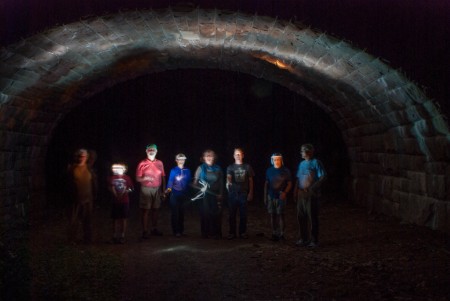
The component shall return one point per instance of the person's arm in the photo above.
(322, 176)
(229, 182)
(283, 194)
(221, 178)
(296, 190)
(140, 177)
(170, 182)
(94, 184)
(250, 189)
(266, 185)
(163, 184)
(196, 177)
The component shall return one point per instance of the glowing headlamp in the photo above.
(119, 169)
(180, 157)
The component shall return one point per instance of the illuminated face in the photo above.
(118, 169)
(238, 156)
(82, 158)
(277, 161)
(151, 152)
(208, 157)
(180, 162)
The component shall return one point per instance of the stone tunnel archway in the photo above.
(397, 139)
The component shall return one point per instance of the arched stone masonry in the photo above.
(397, 139)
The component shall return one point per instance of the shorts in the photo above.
(275, 205)
(120, 210)
(150, 198)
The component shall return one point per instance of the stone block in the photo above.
(360, 169)
(436, 186)
(438, 148)
(441, 218)
(390, 163)
(399, 196)
(437, 168)
(417, 209)
(413, 162)
(374, 143)
(7, 179)
(389, 208)
(418, 184)
(359, 190)
(403, 131)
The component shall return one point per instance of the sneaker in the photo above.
(282, 237)
(145, 235)
(178, 235)
(275, 237)
(301, 243)
(243, 236)
(156, 232)
(231, 236)
(313, 244)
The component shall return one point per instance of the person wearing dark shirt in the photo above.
(209, 179)
(276, 187)
(240, 191)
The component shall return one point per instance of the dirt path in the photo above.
(360, 257)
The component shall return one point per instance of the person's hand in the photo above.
(283, 195)
(250, 196)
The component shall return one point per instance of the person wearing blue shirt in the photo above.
(178, 187)
(310, 176)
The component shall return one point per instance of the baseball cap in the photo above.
(150, 146)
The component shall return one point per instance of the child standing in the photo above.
(120, 185)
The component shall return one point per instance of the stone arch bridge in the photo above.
(397, 139)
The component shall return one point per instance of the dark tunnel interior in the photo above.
(189, 111)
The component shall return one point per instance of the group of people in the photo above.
(207, 187)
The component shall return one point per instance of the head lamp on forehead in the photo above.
(82, 153)
(119, 168)
(180, 157)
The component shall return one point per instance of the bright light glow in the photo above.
(118, 169)
(202, 191)
(274, 61)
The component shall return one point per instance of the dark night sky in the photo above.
(413, 36)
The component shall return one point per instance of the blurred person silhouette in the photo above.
(83, 190)
(310, 176)
(120, 185)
